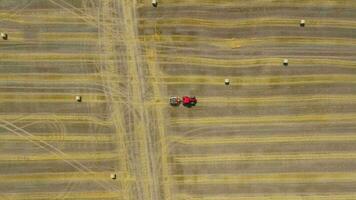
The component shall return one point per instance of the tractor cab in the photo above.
(189, 101)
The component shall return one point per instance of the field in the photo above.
(281, 132)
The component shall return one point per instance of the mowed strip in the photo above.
(247, 63)
(54, 137)
(283, 196)
(232, 43)
(52, 156)
(260, 3)
(224, 158)
(67, 37)
(49, 97)
(270, 100)
(298, 138)
(270, 119)
(43, 21)
(191, 79)
(50, 77)
(63, 118)
(57, 177)
(40, 17)
(67, 196)
(53, 37)
(54, 57)
(263, 80)
(304, 177)
(242, 23)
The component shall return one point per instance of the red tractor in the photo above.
(189, 101)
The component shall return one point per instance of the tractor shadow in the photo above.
(189, 105)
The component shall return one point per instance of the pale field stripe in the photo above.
(197, 79)
(337, 117)
(247, 63)
(280, 99)
(52, 37)
(50, 15)
(325, 196)
(241, 41)
(49, 57)
(59, 137)
(76, 36)
(62, 118)
(43, 21)
(67, 97)
(56, 177)
(49, 97)
(54, 157)
(232, 43)
(243, 23)
(257, 3)
(50, 77)
(225, 140)
(64, 195)
(213, 159)
(262, 80)
(275, 178)
(37, 18)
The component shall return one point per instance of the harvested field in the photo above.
(283, 132)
